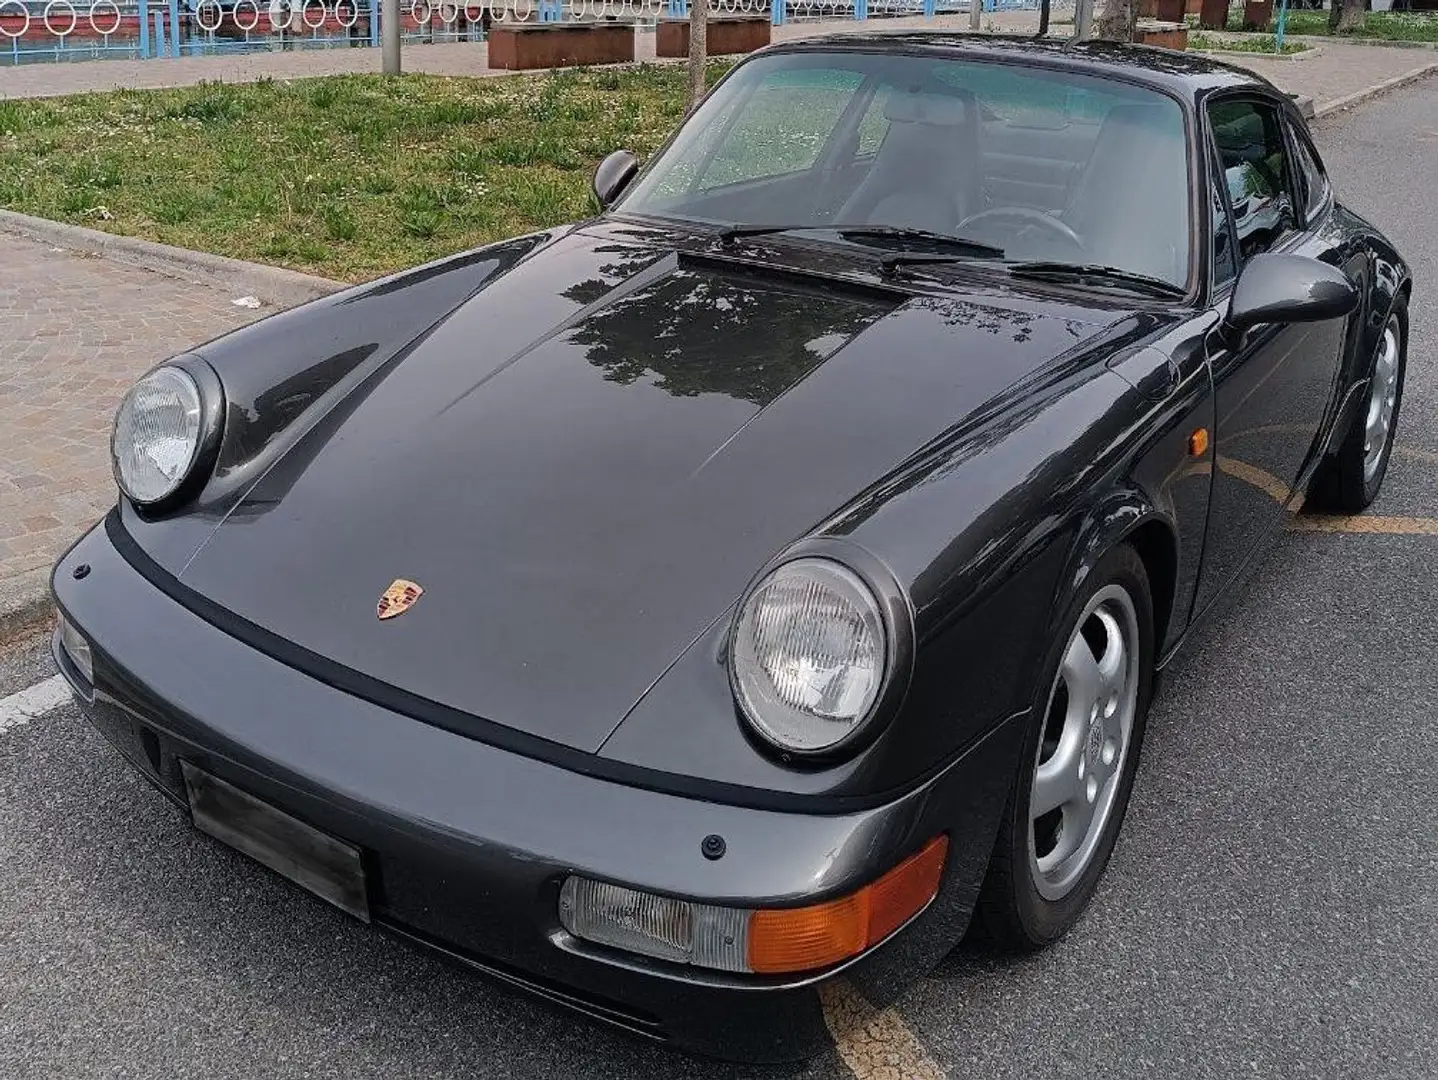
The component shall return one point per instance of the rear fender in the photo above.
(1381, 275)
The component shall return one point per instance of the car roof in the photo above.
(1179, 72)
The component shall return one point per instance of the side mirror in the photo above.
(613, 176)
(1287, 289)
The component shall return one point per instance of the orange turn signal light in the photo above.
(1198, 442)
(803, 939)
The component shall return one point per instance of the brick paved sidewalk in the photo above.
(74, 334)
(1337, 71)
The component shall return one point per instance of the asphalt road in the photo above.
(1269, 910)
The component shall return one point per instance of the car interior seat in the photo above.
(1130, 205)
(925, 173)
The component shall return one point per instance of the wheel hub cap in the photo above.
(1081, 755)
(1095, 740)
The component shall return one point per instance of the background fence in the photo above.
(40, 31)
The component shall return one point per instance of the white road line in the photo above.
(33, 702)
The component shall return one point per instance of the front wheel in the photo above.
(1077, 766)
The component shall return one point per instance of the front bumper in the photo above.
(466, 845)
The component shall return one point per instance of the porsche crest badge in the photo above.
(398, 598)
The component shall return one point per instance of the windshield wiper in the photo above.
(739, 232)
(952, 247)
(1043, 270)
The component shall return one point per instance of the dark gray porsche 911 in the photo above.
(766, 579)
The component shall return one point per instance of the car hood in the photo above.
(588, 460)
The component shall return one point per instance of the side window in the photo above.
(1315, 183)
(784, 127)
(1254, 157)
(1225, 266)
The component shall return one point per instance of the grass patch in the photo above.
(348, 177)
(1255, 44)
(1383, 25)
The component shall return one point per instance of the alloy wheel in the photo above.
(1382, 400)
(1088, 726)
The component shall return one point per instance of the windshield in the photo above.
(1043, 164)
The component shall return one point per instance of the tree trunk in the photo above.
(699, 48)
(1043, 17)
(1118, 20)
(1345, 16)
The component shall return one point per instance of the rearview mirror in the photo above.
(1287, 289)
(613, 176)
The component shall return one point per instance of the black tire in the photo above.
(1012, 915)
(1341, 486)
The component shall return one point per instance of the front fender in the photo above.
(281, 375)
(282, 372)
(1032, 510)
(981, 532)
(1127, 514)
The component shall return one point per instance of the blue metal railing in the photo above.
(61, 30)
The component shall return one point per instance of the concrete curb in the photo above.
(280, 288)
(1316, 40)
(24, 602)
(1349, 100)
(1241, 54)
(1373, 43)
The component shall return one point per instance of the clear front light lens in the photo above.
(157, 435)
(77, 649)
(657, 926)
(809, 655)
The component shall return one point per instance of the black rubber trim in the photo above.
(597, 1008)
(376, 692)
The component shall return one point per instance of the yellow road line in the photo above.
(1372, 524)
(1365, 523)
(1269, 429)
(875, 1044)
(1413, 452)
(1265, 481)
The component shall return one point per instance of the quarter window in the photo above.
(1315, 184)
(1254, 157)
(1224, 265)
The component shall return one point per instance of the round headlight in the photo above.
(157, 435)
(809, 655)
